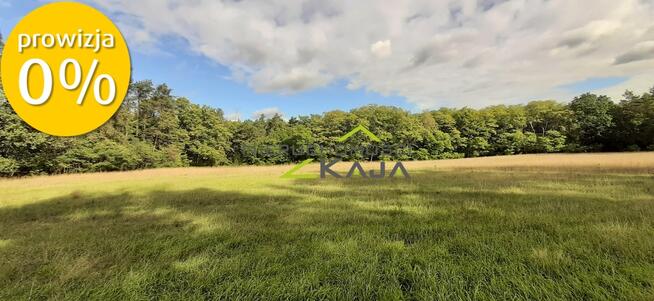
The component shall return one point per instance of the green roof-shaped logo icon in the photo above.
(291, 173)
(357, 129)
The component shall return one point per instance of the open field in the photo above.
(523, 227)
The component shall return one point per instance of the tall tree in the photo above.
(545, 115)
(634, 119)
(206, 139)
(154, 128)
(475, 130)
(594, 119)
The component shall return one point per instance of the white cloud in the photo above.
(267, 113)
(641, 51)
(233, 116)
(435, 53)
(286, 81)
(381, 49)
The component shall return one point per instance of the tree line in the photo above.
(153, 128)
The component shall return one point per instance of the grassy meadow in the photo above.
(554, 227)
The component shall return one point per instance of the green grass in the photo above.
(443, 235)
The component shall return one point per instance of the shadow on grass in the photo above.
(108, 245)
(438, 235)
(471, 185)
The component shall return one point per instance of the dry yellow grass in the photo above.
(639, 162)
(31, 189)
(618, 162)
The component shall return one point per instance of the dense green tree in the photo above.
(154, 128)
(634, 118)
(516, 142)
(326, 129)
(435, 144)
(475, 131)
(394, 126)
(96, 153)
(248, 142)
(447, 124)
(27, 150)
(159, 120)
(206, 136)
(546, 115)
(299, 142)
(594, 120)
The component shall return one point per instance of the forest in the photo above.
(154, 128)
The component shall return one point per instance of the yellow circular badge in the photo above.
(65, 69)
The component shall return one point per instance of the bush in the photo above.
(8, 167)
(633, 148)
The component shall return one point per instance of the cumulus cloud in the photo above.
(267, 113)
(233, 116)
(381, 49)
(434, 53)
(642, 51)
(288, 81)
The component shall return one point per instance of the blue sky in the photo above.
(306, 57)
(593, 84)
